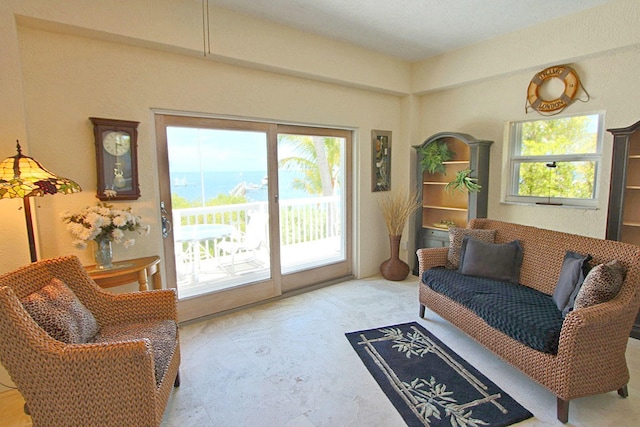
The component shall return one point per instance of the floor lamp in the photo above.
(24, 177)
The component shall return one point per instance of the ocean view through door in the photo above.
(220, 212)
(252, 209)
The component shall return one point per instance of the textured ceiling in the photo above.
(409, 29)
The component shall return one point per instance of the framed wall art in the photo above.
(116, 158)
(381, 160)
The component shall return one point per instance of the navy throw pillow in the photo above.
(575, 267)
(498, 261)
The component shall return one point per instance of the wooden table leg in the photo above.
(142, 279)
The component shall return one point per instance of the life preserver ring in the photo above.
(571, 84)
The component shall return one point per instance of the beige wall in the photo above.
(71, 61)
(67, 60)
(482, 103)
(128, 82)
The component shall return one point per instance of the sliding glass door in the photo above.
(219, 206)
(256, 209)
(313, 208)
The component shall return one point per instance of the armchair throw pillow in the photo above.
(58, 311)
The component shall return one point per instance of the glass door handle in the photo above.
(166, 224)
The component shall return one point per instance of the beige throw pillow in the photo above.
(601, 284)
(61, 314)
(455, 242)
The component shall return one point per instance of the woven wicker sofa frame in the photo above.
(591, 351)
(105, 384)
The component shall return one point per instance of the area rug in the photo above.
(428, 383)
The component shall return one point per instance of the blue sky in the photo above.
(216, 150)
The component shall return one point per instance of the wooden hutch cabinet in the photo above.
(623, 222)
(440, 205)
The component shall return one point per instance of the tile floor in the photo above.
(287, 363)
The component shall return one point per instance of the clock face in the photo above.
(116, 143)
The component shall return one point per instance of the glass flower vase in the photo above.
(103, 254)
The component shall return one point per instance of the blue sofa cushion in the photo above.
(525, 314)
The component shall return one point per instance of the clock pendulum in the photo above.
(118, 179)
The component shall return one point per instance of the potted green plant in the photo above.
(463, 181)
(433, 156)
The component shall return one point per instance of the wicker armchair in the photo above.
(112, 383)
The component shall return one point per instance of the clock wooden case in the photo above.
(116, 158)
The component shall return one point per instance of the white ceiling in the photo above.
(409, 29)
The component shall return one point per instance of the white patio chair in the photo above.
(254, 237)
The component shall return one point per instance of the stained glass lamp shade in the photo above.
(24, 177)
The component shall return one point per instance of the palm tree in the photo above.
(318, 157)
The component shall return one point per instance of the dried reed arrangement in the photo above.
(397, 208)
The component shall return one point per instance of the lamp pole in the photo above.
(32, 240)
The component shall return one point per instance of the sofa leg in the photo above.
(422, 311)
(176, 383)
(563, 410)
(623, 391)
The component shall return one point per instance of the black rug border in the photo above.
(407, 415)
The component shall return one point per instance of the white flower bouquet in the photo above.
(103, 222)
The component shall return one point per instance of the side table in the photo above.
(132, 270)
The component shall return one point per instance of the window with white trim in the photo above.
(556, 161)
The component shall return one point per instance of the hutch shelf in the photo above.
(441, 206)
(623, 222)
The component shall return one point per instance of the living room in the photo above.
(64, 62)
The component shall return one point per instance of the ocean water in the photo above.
(193, 186)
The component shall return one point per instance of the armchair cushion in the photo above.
(161, 334)
(57, 310)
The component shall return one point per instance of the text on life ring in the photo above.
(571, 82)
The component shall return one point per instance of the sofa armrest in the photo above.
(431, 257)
(594, 339)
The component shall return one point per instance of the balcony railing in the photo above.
(301, 220)
(304, 222)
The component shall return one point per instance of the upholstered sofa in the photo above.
(589, 357)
